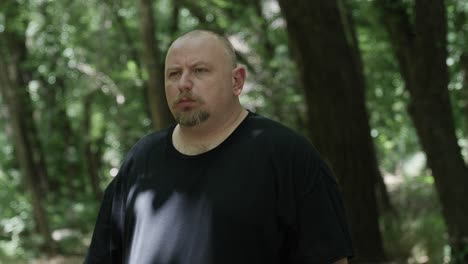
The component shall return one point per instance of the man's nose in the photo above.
(185, 82)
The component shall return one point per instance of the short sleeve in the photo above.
(311, 209)
(107, 241)
(102, 243)
(322, 230)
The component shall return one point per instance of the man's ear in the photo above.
(238, 79)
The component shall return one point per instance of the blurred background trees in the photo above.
(376, 85)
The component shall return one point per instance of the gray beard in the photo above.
(192, 118)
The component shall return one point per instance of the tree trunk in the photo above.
(125, 32)
(58, 136)
(92, 149)
(174, 22)
(273, 92)
(333, 81)
(18, 103)
(160, 113)
(421, 51)
(383, 198)
(14, 46)
(464, 69)
(460, 22)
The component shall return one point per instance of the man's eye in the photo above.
(173, 74)
(200, 70)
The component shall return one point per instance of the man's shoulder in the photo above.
(283, 145)
(150, 141)
(276, 139)
(274, 131)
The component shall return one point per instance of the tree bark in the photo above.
(383, 198)
(14, 47)
(92, 148)
(174, 22)
(127, 37)
(153, 60)
(273, 92)
(421, 50)
(29, 154)
(464, 69)
(60, 138)
(334, 85)
(460, 28)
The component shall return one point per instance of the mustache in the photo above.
(187, 96)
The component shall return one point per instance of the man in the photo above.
(222, 186)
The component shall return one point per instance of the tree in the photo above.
(421, 51)
(14, 78)
(152, 57)
(325, 48)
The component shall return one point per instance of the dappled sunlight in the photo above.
(415, 165)
(412, 167)
(113, 172)
(76, 94)
(61, 234)
(418, 234)
(181, 224)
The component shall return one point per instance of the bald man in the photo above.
(223, 185)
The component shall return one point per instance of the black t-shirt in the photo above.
(262, 196)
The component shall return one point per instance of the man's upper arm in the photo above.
(104, 248)
(318, 229)
(342, 261)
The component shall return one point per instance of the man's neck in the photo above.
(206, 136)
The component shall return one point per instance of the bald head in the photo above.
(205, 34)
(202, 80)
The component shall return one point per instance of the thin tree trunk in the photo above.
(160, 114)
(198, 11)
(421, 51)
(92, 151)
(15, 56)
(18, 104)
(25, 150)
(174, 22)
(382, 195)
(58, 125)
(267, 52)
(60, 136)
(273, 92)
(460, 22)
(332, 77)
(127, 37)
(464, 69)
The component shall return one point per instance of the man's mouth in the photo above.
(185, 99)
(185, 102)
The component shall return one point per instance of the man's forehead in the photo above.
(173, 65)
(206, 44)
(191, 55)
(196, 47)
(193, 42)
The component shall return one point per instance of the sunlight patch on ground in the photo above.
(64, 233)
(58, 260)
(411, 167)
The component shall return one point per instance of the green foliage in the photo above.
(87, 87)
(417, 232)
(394, 136)
(458, 49)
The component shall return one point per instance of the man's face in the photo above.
(198, 79)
